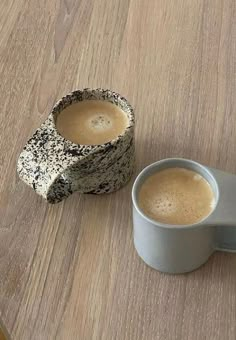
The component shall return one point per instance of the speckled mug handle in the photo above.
(44, 161)
(55, 167)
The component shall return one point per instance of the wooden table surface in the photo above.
(70, 271)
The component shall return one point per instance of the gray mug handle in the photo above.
(224, 216)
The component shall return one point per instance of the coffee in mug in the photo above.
(176, 196)
(92, 122)
(86, 144)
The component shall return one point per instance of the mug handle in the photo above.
(44, 161)
(224, 216)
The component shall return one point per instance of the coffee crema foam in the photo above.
(91, 122)
(176, 196)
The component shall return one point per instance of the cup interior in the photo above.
(93, 94)
(174, 163)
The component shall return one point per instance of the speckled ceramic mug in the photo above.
(55, 167)
(183, 248)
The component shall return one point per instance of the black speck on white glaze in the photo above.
(55, 167)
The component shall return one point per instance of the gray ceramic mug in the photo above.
(180, 249)
(55, 167)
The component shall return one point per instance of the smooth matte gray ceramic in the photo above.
(55, 167)
(180, 249)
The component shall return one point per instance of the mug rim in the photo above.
(130, 112)
(157, 164)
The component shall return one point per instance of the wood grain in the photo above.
(70, 271)
(2, 336)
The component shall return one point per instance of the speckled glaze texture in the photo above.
(55, 167)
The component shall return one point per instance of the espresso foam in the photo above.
(91, 122)
(100, 122)
(176, 196)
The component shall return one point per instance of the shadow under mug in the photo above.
(56, 167)
(183, 248)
